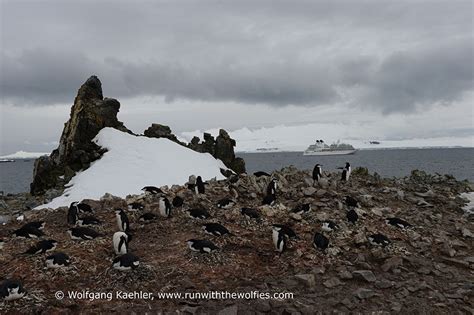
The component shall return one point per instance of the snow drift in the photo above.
(133, 162)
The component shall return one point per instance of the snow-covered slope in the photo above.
(133, 162)
(299, 137)
(23, 155)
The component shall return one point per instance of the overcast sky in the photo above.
(233, 64)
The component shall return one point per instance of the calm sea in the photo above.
(16, 177)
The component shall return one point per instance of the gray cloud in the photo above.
(276, 53)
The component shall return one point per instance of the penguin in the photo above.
(164, 206)
(302, 208)
(225, 203)
(269, 200)
(35, 224)
(272, 187)
(346, 172)
(147, 217)
(250, 213)
(352, 216)
(202, 246)
(126, 262)
(152, 190)
(135, 206)
(177, 202)
(198, 213)
(82, 207)
(28, 232)
(378, 240)
(42, 247)
(83, 233)
(57, 260)
(215, 229)
(88, 220)
(351, 202)
(199, 188)
(72, 214)
(11, 290)
(398, 223)
(329, 226)
(285, 229)
(317, 172)
(122, 220)
(261, 173)
(120, 242)
(320, 241)
(279, 239)
(2, 243)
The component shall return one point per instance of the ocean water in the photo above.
(458, 162)
(16, 177)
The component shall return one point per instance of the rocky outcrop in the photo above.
(90, 113)
(161, 131)
(221, 148)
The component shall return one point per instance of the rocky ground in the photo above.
(427, 269)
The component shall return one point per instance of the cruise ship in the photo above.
(321, 148)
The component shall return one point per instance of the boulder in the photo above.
(90, 113)
(161, 131)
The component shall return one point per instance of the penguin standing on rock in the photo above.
(279, 239)
(352, 216)
(178, 201)
(272, 187)
(317, 172)
(320, 241)
(346, 172)
(122, 220)
(57, 260)
(72, 214)
(202, 246)
(199, 187)
(126, 262)
(11, 290)
(164, 206)
(120, 242)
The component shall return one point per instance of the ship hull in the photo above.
(341, 152)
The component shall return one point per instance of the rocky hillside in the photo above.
(90, 113)
(428, 268)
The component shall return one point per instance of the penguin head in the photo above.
(118, 211)
(348, 165)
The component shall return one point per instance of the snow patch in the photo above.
(24, 155)
(133, 162)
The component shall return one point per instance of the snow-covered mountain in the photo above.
(299, 137)
(133, 162)
(24, 155)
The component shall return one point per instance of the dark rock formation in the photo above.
(161, 131)
(90, 113)
(221, 148)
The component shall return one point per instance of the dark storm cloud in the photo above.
(276, 53)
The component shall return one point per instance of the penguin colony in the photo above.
(81, 224)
